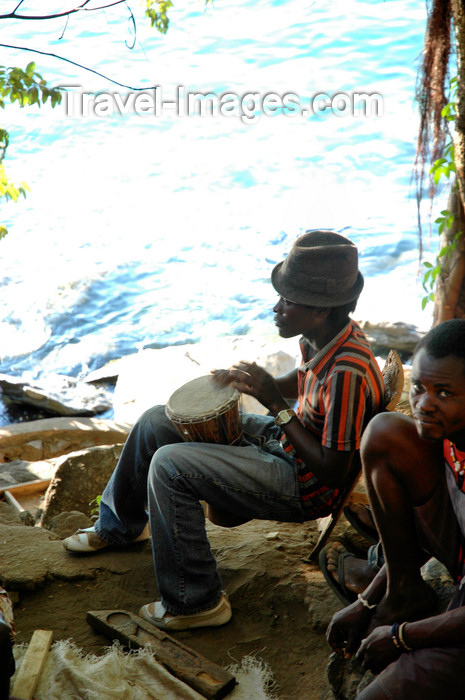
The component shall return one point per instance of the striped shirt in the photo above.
(340, 390)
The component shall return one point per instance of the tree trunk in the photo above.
(449, 297)
(450, 290)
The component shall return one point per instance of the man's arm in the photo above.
(446, 629)
(349, 625)
(379, 649)
(287, 384)
(329, 466)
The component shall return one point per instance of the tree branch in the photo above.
(80, 8)
(79, 65)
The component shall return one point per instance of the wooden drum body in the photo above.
(203, 411)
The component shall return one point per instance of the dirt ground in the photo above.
(281, 605)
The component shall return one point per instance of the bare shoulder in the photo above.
(398, 431)
(392, 420)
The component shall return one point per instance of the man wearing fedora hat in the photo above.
(289, 465)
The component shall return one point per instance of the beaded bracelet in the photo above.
(397, 635)
(401, 637)
(394, 635)
(365, 603)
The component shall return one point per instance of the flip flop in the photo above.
(369, 533)
(337, 587)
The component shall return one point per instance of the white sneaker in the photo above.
(86, 541)
(216, 616)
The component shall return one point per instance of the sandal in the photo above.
(370, 533)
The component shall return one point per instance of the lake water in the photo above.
(151, 229)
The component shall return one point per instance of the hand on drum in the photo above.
(250, 379)
(221, 377)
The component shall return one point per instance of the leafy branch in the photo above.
(26, 87)
(158, 16)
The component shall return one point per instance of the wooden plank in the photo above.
(27, 487)
(32, 664)
(204, 676)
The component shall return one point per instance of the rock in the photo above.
(57, 394)
(346, 678)
(8, 515)
(20, 471)
(151, 376)
(32, 557)
(27, 518)
(66, 524)
(107, 374)
(51, 437)
(79, 478)
(402, 337)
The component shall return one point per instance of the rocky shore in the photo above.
(281, 603)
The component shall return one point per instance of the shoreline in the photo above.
(141, 379)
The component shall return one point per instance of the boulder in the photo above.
(151, 376)
(66, 523)
(383, 337)
(57, 394)
(20, 471)
(79, 479)
(51, 437)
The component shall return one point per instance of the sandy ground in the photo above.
(281, 604)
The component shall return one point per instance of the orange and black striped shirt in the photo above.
(340, 390)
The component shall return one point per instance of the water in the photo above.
(147, 231)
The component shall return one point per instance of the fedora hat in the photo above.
(320, 270)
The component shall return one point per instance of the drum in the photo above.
(203, 411)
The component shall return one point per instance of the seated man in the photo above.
(415, 475)
(289, 466)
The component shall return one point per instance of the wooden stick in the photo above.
(26, 487)
(201, 674)
(9, 498)
(32, 664)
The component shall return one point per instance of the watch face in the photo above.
(284, 416)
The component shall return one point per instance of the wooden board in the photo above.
(26, 487)
(32, 664)
(204, 676)
(26, 495)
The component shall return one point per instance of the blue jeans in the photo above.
(375, 556)
(159, 471)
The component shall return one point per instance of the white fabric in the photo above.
(69, 674)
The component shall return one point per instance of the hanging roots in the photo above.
(432, 86)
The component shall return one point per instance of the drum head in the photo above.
(201, 398)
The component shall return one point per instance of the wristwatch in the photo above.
(284, 416)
